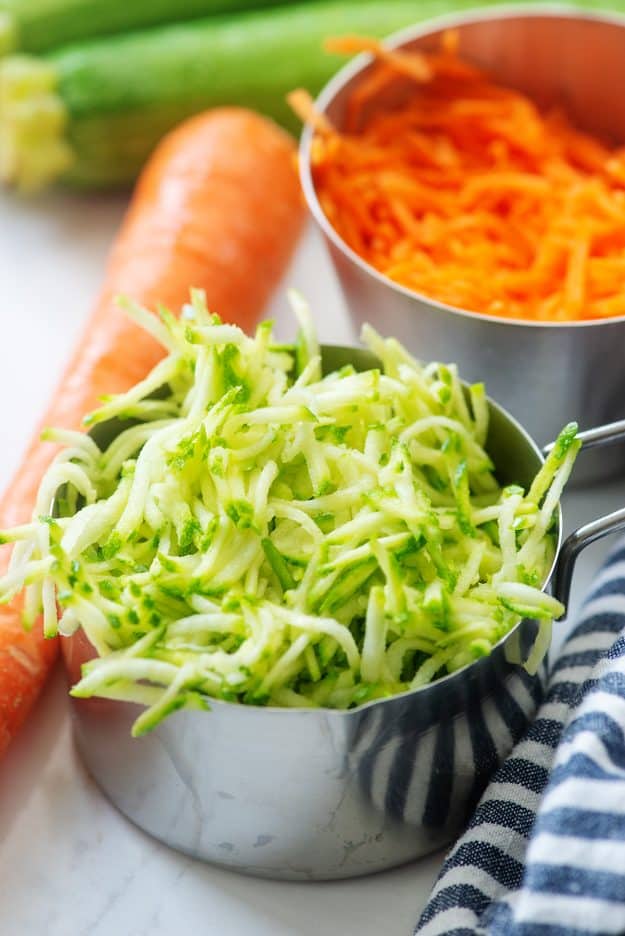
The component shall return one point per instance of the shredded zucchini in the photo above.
(262, 534)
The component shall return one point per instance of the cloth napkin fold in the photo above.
(544, 854)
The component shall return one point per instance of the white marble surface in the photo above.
(70, 865)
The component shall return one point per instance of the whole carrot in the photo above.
(218, 207)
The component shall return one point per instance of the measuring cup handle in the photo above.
(596, 529)
(575, 543)
(601, 435)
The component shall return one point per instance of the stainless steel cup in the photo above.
(314, 794)
(546, 374)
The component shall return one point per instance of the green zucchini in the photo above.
(41, 25)
(92, 112)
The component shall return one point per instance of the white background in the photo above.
(70, 865)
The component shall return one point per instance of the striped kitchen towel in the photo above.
(544, 854)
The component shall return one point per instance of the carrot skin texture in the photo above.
(217, 207)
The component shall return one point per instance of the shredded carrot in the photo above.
(302, 104)
(462, 190)
(413, 65)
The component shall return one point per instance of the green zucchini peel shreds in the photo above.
(259, 533)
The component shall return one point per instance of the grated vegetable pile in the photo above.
(262, 534)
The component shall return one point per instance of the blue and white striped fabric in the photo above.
(544, 854)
